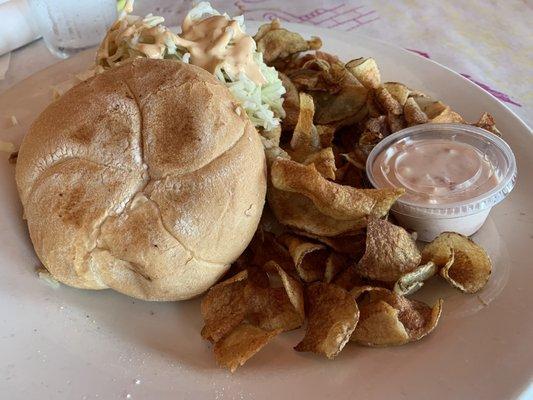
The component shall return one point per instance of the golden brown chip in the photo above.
(309, 258)
(264, 248)
(305, 140)
(448, 116)
(413, 114)
(349, 278)
(224, 307)
(335, 263)
(463, 263)
(414, 280)
(278, 43)
(388, 319)
(336, 201)
(396, 122)
(294, 291)
(387, 102)
(399, 91)
(356, 158)
(332, 317)
(324, 162)
(325, 134)
(345, 107)
(486, 121)
(366, 71)
(271, 308)
(352, 245)
(241, 344)
(297, 211)
(390, 252)
(438, 112)
(291, 103)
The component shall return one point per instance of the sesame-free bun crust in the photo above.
(143, 179)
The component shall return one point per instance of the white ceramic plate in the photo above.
(71, 344)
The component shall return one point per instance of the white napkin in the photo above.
(17, 27)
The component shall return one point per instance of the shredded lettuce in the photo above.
(128, 35)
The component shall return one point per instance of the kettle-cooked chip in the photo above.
(387, 102)
(387, 319)
(224, 307)
(324, 162)
(309, 258)
(398, 90)
(297, 211)
(366, 71)
(278, 43)
(264, 248)
(349, 278)
(305, 140)
(352, 245)
(346, 107)
(390, 252)
(241, 344)
(413, 114)
(414, 280)
(335, 263)
(337, 201)
(396, 122)
(486, 121)
(325, 134)
(332, 317)
(463, 263)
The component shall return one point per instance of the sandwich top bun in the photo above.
(147, 179)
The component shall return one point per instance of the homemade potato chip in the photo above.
(305, 140)
(390, 252)
(366, 71)
(396, 122)
(352, 245)
(463, 263)
(309, 258)
(271, 308)
(264, 248)
(387, 102)
(224, 307)
(332, 317)
(335, 263)
(486, 121)
(294, 291)
(413, 114)
(349, 278)
(324, 162)
(387, 319)
(298, 212)
(325, 134)
(399, 91)
(241, 344)
(348, 106)
(334, 200)
(278, 43)
(291, 103)
(414, 280)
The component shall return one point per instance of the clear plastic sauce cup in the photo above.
(453, 175)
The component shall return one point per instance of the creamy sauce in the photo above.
(434, 171)
(212, 42)
(218, 41)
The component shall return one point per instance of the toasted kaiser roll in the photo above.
(146, 179)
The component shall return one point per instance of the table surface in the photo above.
(489, 42)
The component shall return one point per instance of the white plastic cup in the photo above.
(466, 216)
